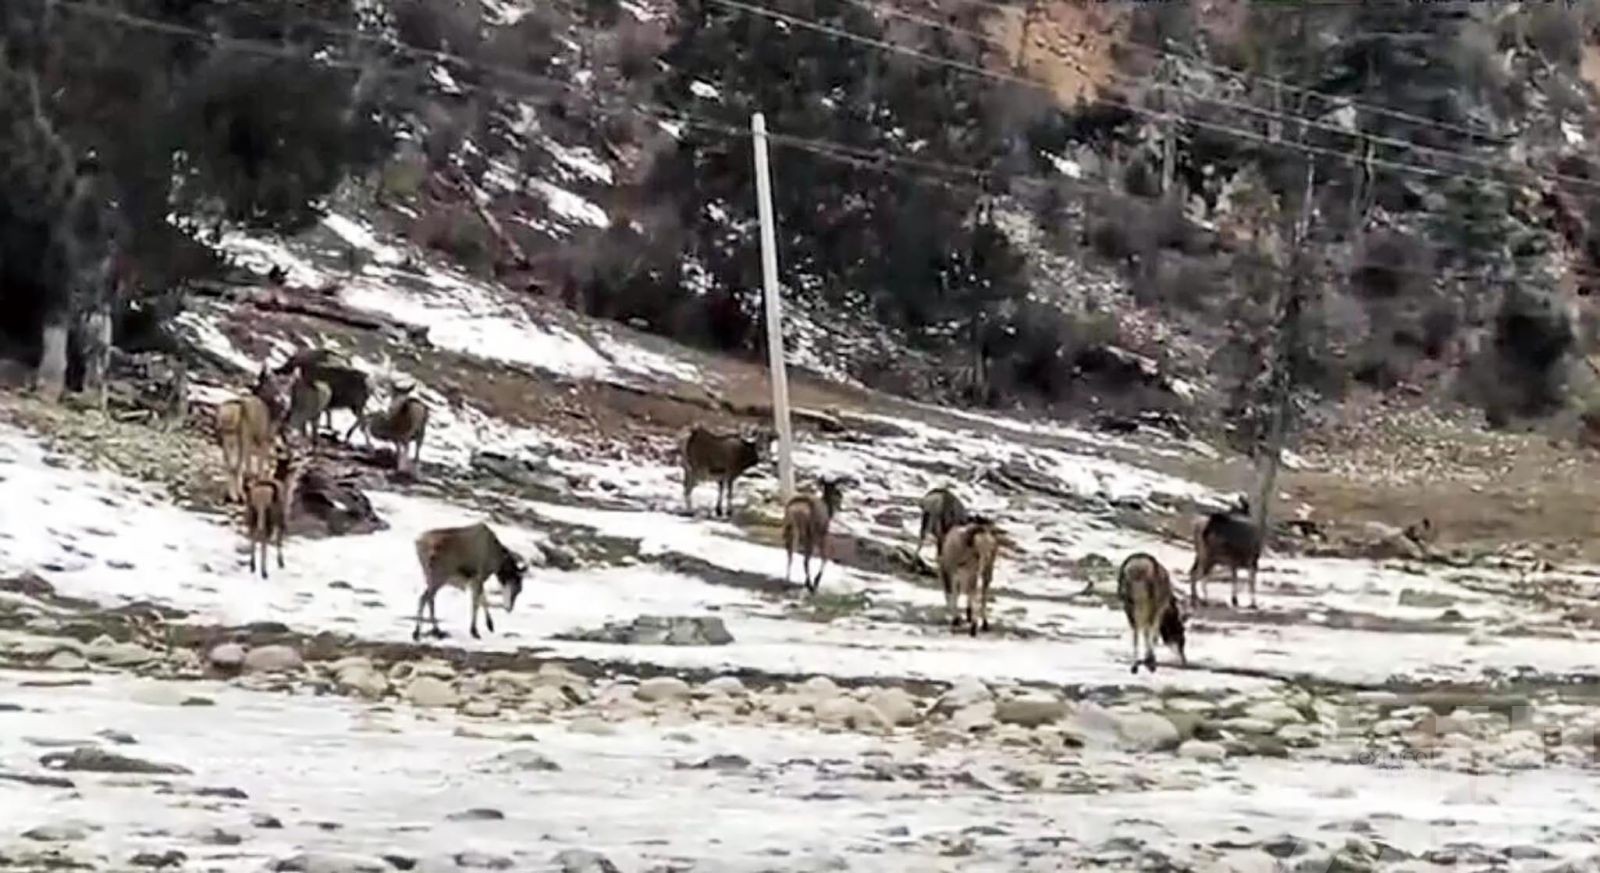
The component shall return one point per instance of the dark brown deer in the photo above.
(404, 424)
(941, 511)
(463, 557)
(1151, 605)
(805, 529)
(1228, 539)
(723, 457)
(348, 387)
(308, 401)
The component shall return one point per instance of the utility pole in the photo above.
(769, 278)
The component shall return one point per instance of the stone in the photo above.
(159, 861)
(92, 760)
(963, 694)
(119, 654)
(662, 689)
(524, 760)
(584, 861)
(657, 630)
(362, 679)
(1030, 711)
(66, 832)
(727, 686)
(431, 691)
(1247, 725)
(1274, 712)
(853, 714)
(227, 656)
(817, 687)
(591, 726)
(1146, 732)
(1286, 846)
(272, 659)
(482, 861)
(1200, 750)
(896, 706)
(65, 660)
(1299, 736)
(1090, 723)
(482, 707)
(977, 717)
(1426, 599)
(477, 814)
(321, 862)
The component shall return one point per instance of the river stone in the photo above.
(1200, 750)
(323, 862)
(431, 691)
(1030, 711)
(662, 689)
(272, 659)
(897, 706)
(1274, 712)
(962, 695)
(1146, 731)
(584, 861)
(227, 656)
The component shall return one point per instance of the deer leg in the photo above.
(805, 567)
(433, 614)
(477, 601)
(950, 597)
(1135, 631)
(1253, 587)
(283, 522)
(1150, 647)
(972, 620)
(488, 617)
(788, 565)
(422, 602)
(822, 552)
(1233, 585)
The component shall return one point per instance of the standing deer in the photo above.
(348, 387)
(308, 401)
(464, 557)
(724, 457)
(1151, 605)
(1225, 539)
(966, 566)
(404, 424)
(941, 511)
(268, 502)
(245, 429)
(805, 528)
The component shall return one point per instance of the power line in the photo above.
(978, 71)
(859, 157)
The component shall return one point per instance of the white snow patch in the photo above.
(362, 238)
(581, 161)
(569, 205)
(704, 90)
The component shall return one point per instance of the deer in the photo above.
(941, 511)
(246, 426)
(348, 387)
(724, 457)
(805, 529)
(464, 557)
(1151, 605)
(268, 501)
(1227, 539)
(404, 424)
(308, 401)
(966, 566)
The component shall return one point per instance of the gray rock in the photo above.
(92, 760)
(658, 630)
(728, 686)
(1286, 846)
(119, 654)
(977, 717)
(66, 832)
(662, 689)
(159, 861)
(272, 659)
(1030, 711)
(320, 862)
(963, 694)
(477, 814)
(1274, 712)
(584, 861)
(65, 660)
(228, 656)
(429, 691)
(1146, 732)
(525, 760)
(897, 706)
(482, 707)
(1200, 750)
(1426, 599)
(482, 861)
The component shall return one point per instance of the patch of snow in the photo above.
(704, 90)
(262, 255)
(638, 11)
(1064, 165)
(444, 80)
(361, 238)
(581, 161)
(569, 205)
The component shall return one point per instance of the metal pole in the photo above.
(769, 277)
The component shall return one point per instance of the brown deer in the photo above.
(805, 529)
(464, 557)
(941, 511)
(246, 426)
(724, 457)
(1228, 539)
(966, 566)
(404, 424)
(268, 501)
(308, 401)
(1151, 605)
(348, 387)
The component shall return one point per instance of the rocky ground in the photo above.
(662, 698)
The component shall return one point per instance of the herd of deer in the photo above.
(256, 430)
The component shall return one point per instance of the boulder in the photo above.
(432, 692)
(227, 656)
(662, 689)
(1146, 732)
(896, 706)
(1200, 750)
(272, 659)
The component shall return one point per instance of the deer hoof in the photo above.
(475, 634)
(1135, 670)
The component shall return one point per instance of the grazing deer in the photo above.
(941, 511)
(464, 557)
(245, 429)
(1227, 539)
(308, 401)
(1149, 601)
(724, 457)
(404, 424)
(805, 528)
(348, 387)
(267, 504)
(1421, 532)
(966, 566)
